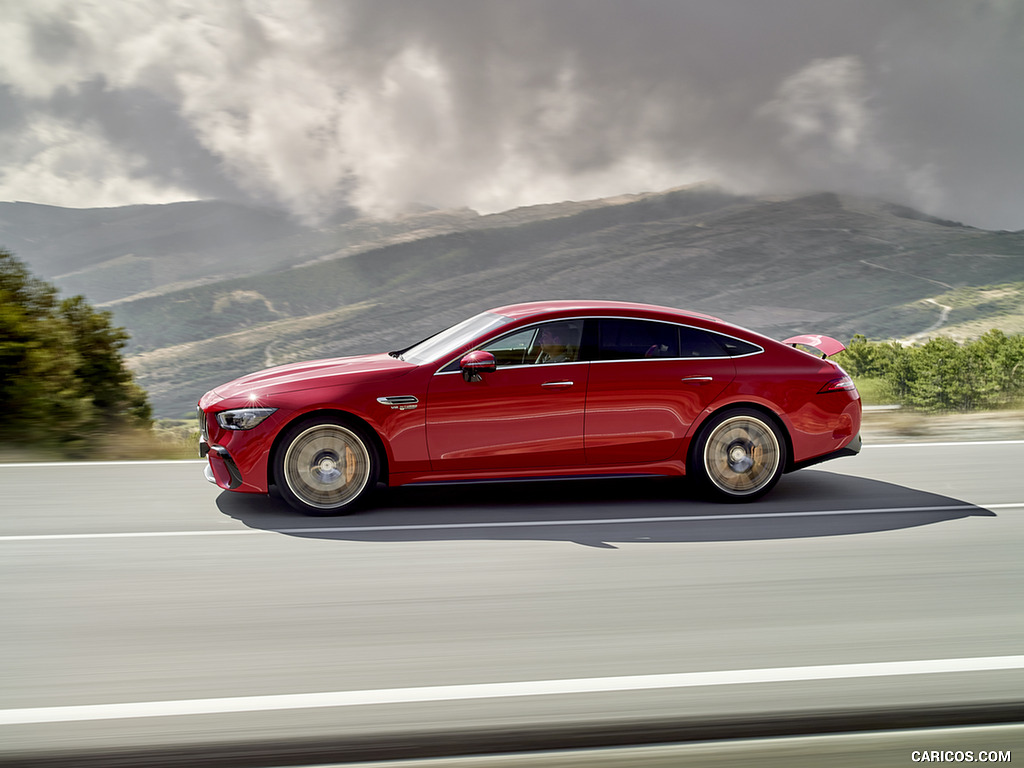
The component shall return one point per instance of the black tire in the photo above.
(326, 466)
(739, 455)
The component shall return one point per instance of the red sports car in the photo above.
(538, 390)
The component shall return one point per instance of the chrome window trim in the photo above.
(760, 350)
(534, 366)
(674, 359)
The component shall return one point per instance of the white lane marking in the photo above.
(872, 446)
(503, 690)
(132, 535)
(513, 523)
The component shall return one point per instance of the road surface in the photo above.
(143, 606)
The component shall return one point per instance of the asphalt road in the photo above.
(141, 606)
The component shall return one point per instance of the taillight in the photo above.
(842, 384)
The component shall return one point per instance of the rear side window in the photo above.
(630, 339)
(693, 342)
(737, 348)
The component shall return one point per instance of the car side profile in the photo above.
(537, 390)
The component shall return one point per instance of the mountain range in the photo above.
(212, 290)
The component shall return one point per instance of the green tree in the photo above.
(61, 372)
(37, 358)
(946, 377)
(101, 373)
(859, 359)
(1006, 356)
(865, 359)
(941, 374)
(896, 367)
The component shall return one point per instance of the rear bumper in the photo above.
(852, 449)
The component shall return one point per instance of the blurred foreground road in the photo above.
(143, 607)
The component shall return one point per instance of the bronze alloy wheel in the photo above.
(326, 468)
(741, 455)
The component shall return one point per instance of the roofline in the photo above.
(528, 309)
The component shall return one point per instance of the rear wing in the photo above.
(823, 346)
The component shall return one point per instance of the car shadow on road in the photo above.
(606, 512)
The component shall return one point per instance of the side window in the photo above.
(737, 348)
(625, 339)
(512, 349)
(629, 339)
(693, 342)
(555, 342)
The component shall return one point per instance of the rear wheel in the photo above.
(739, 455)
(326, 467)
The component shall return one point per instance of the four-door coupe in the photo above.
(547, 389)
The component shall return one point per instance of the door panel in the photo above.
(639, 410)
(649, 382)
(514, 418)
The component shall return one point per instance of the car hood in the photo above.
(314, 374)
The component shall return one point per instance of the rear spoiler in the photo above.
(826, 346)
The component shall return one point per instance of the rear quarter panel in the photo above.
(786, 382)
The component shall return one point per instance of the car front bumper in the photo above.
(221, 469)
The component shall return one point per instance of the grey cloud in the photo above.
(491, 104)
(55, 39)
(12, 116)
(148, 126)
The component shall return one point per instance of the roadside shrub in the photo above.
(942, 374)
(63, 380)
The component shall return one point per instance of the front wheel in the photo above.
(325, 467)
(739, 455)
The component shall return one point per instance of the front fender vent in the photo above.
(400, 402)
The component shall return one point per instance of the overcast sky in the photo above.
(492, 104)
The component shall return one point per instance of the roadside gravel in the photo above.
(902, 426)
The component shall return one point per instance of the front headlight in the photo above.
(243, 418)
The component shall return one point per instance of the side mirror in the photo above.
(476, 363)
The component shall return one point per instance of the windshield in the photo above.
(447, 341)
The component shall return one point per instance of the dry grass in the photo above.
(165, 441)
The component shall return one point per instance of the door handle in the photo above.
(698, 379)
(557, 384)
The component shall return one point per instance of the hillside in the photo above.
(110, 254)
(817, 263)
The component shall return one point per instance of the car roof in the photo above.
(529, 309)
